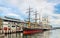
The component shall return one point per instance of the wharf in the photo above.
(13, 32)
(10, 32)
(2, 35)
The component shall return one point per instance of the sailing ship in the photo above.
(32, 28)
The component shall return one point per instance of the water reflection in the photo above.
(16, 35)
(38, 35)
(46, 34)
(55, 33)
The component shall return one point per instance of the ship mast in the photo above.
(39, 18)
(35, 18)
(29, 16)
(47, 20)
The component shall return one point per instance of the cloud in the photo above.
(54, 1)
(44, 7)
(6, 12)
(57, 8)
(10, 8)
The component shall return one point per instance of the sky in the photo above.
(18, 9)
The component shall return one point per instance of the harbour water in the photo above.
(46, 34)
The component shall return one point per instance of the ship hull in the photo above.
(32, 31)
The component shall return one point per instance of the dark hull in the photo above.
(31, 31)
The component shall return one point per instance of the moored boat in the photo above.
(31, 27)
(32, 31)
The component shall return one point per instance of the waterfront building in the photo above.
(11, 24)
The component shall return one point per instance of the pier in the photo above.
(2, 35)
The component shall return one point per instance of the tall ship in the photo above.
(32, 27)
